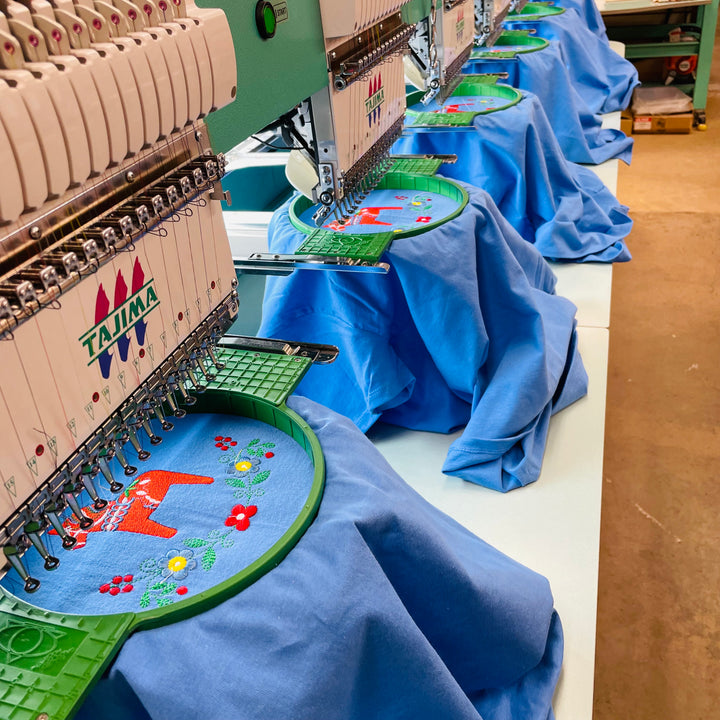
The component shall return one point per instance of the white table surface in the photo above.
(552, 526)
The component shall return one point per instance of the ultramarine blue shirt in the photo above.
(385, 609)
(578, 131)
(464, 331)
(602, 78)
(561, 207)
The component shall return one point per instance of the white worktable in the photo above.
(552, 526)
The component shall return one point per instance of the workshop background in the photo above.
(658, 631)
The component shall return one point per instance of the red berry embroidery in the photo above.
(117, 585)
(269, 454)
(182, 590)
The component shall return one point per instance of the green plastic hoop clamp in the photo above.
(49, 662)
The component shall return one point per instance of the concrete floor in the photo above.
(658, 642)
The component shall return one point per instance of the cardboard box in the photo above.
(677, 123)
(626, 122)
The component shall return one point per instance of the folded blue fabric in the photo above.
(602, 78)
(578, 131)
(588, 11)
(465, 324)
(386, 608)
(561, 207)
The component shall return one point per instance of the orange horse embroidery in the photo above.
(132, 510)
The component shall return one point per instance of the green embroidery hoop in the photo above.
(469, 85)
(535, 11)
(79, 648)
(370, 246)
(530, 43)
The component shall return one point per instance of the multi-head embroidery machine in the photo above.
(116, 279)
(489, 15)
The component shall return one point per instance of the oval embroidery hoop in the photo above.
(36, 646)
(402, 182)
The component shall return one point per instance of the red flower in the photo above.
(240, 516)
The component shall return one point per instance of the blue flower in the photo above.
(177, 564)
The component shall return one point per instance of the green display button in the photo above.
(266, 19)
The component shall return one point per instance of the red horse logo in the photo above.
(131, 511)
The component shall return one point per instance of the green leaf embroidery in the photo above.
(260, 477)
(235, 482)
(208, 559)
(253, 442)
(163, 601)
(158, 585)
(145, 600)
(195, 543)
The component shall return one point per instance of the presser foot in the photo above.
(51, 562)
(69, 542)
(31, 584)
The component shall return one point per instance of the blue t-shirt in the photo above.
(578, 131)
(386, 608)
(464, 331)
(560, 207)
(602, 78)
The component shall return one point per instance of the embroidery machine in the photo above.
(116, 279)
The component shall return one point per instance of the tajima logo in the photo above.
(112, 327)
(376, 97)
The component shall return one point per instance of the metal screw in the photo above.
(198, 135)
(35, 232)
(43, 716)
(130, 176)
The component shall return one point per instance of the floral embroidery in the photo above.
(240, 517)
(178, 563)
(224, 443)
(161, 577)
(247, 465)
(244, 468)
(120, 583)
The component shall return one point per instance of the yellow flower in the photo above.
(243, 466)
(177, 563)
